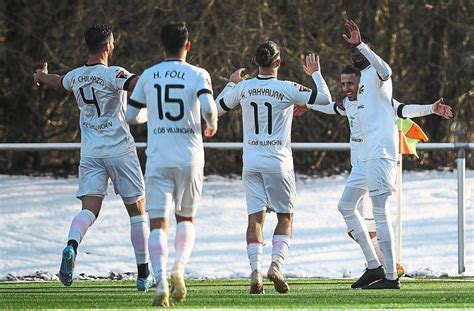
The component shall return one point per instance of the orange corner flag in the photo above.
(410, 134)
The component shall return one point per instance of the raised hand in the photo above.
(441, 109)
(299, 109)
(354, 33)
(237, 76)
(38, 72)
(311, 64)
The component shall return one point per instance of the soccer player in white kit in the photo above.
(107, 148)
(356, 181)
(268, 176)
(174, 94)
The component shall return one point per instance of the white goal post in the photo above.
(460, 148)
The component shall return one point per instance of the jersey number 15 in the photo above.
(169, 100)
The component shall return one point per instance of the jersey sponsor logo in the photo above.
(97, 127)
(121, 75)
(360, 107)
(361, 89)
(357, 140)
(302, 88)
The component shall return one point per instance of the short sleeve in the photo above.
(66, 81)
(119, 78)
(204, 84)
(138, 96)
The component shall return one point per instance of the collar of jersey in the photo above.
(173, 60)
(265, 77)
(90, 65)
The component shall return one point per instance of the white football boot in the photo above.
(162, 296)
(276, 276)
(178, 287)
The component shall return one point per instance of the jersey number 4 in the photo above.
(169, 100)
(255, 115)
(92, 101)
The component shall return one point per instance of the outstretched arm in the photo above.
(383, 69)
(41, 76)
(413, 111)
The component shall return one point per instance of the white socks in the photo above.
(378, 251)
(356, 227)
(255, 252)
(139, 234)
(158, 248)
(80, 224)
(183, 243)
(281, 244)
(385, 235)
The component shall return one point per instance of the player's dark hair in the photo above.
(96, 36)
(173, 37)
(350, 69)
(267, 53)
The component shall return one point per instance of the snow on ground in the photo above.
(36, 213)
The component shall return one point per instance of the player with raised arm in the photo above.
(107, 148)
(268, 176)
(356, 181)
(174, 94)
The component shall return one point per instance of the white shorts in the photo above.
(275, 191)
(124, 171)
(357, 178)
(173, 187)
(381, 176)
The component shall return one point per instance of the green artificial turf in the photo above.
(304, 293)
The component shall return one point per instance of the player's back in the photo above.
(267, 116)
(101, 97)
(172, 90)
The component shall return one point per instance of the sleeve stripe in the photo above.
(127, 83)
(312, 98)
(335, 110)
(400, 111)
(204, 91)
(62, 78)
(223, 105)
(136, 104)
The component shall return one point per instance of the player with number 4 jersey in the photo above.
(267, 114)
(107, 148)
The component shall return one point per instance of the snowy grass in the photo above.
(36, 213)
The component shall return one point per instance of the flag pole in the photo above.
(398, 244)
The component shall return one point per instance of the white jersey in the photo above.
(376, 115)
(170, 91)
(100, 92)
(351, 112)
(267, 115)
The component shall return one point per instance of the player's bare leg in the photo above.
(80, 224)
(255, 251)
(281, 242)
(158, 248)
(139, 235)
(184, 243)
